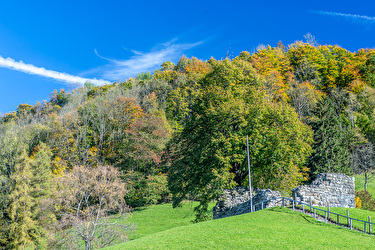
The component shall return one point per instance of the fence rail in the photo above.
(347, 220)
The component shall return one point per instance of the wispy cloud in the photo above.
(352, 17)
(33, 70)
(121, 69)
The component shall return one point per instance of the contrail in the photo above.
(33, 70)
(354, 17)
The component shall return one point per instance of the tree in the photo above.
(363, 160)
(85, 197)
(12, 154)
(42, 187)
(274, 65)
(365, 119)
(210, 155)
(330, 148)
(310, 39)
(368, 70)
(307, 61)
(307, 71)
(23, 228)
(303, 97)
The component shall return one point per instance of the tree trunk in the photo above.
(366, 177)
(87, 245)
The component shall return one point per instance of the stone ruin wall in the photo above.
(337, 190)
(237, 201)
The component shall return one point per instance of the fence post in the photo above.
(329, 212)
(293, 205)
(369, 224)
(347, 215)
(303, 208)
(364, 227)
(262, 205)
(325, 213)
(283, 203)
(338, 219)
(314, 214)
(351, 228)
(310, 204)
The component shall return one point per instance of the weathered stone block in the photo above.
(337, 190)
(237, 201)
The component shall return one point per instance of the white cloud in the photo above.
(352, 17)
(118, 70)
(33, 70)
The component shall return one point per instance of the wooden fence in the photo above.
(327, 214)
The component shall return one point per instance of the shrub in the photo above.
(358, 202)
(367, 202)
(145, 191)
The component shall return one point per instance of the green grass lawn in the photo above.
(157, 218)
(353, 213)
(275, 228)
(360, 184)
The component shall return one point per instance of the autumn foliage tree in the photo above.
(209, 154)
(85, 197)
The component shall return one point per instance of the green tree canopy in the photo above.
(210, 155)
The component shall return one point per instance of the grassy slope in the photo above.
(360, 184)
(353, 213)
(161, 217)
(272, 228)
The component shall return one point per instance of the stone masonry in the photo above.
(336, 189)
(237, 201)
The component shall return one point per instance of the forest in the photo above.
(72, 165)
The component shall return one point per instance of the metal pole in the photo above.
(248, 164)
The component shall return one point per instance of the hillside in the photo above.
(180, 133)
(161, 217)
(276, 228)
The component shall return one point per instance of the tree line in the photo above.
(180, 133)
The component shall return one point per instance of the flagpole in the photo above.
(248, 164)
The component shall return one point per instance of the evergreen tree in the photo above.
(42, 174)
(12, 152)
(330, 148)
(22, 228)
(41, 189)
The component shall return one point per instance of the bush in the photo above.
(358, 202)
(367, 202)
(145, 191)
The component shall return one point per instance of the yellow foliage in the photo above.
(356, 86)
(93, 151)
(92, 155)
(58, 166)
(269, 60)
(358, 202)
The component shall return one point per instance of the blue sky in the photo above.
(47, 45)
